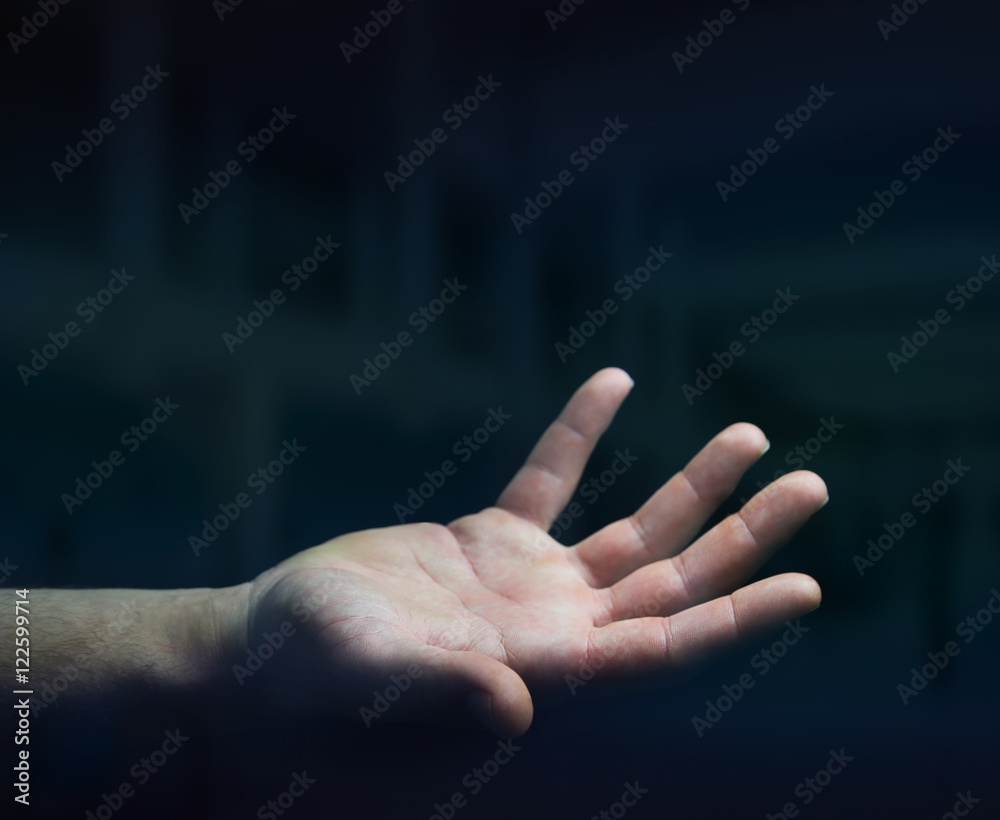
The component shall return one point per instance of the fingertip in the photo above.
(808, 592)
(513, 714)
(508, 716)
(807, 489)
(748, 437)
(816, 487)
(517, 725)
(616, 374)
(790, 592)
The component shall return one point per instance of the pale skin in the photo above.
(491, 612)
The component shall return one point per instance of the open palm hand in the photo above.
(481, 613)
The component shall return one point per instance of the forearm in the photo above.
(116, 641)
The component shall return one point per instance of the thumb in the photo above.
(492, 693)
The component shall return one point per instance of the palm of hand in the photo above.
(491, 606)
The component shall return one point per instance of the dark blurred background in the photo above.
(62, 233)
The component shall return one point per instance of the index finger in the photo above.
(545, 484)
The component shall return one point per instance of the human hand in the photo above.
(490, 609)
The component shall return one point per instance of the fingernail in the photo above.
(480, 706)
(767, 446)
(825, 502)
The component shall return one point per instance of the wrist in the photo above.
(172, 641)
(212, 637)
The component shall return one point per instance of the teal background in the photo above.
(496, 346)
